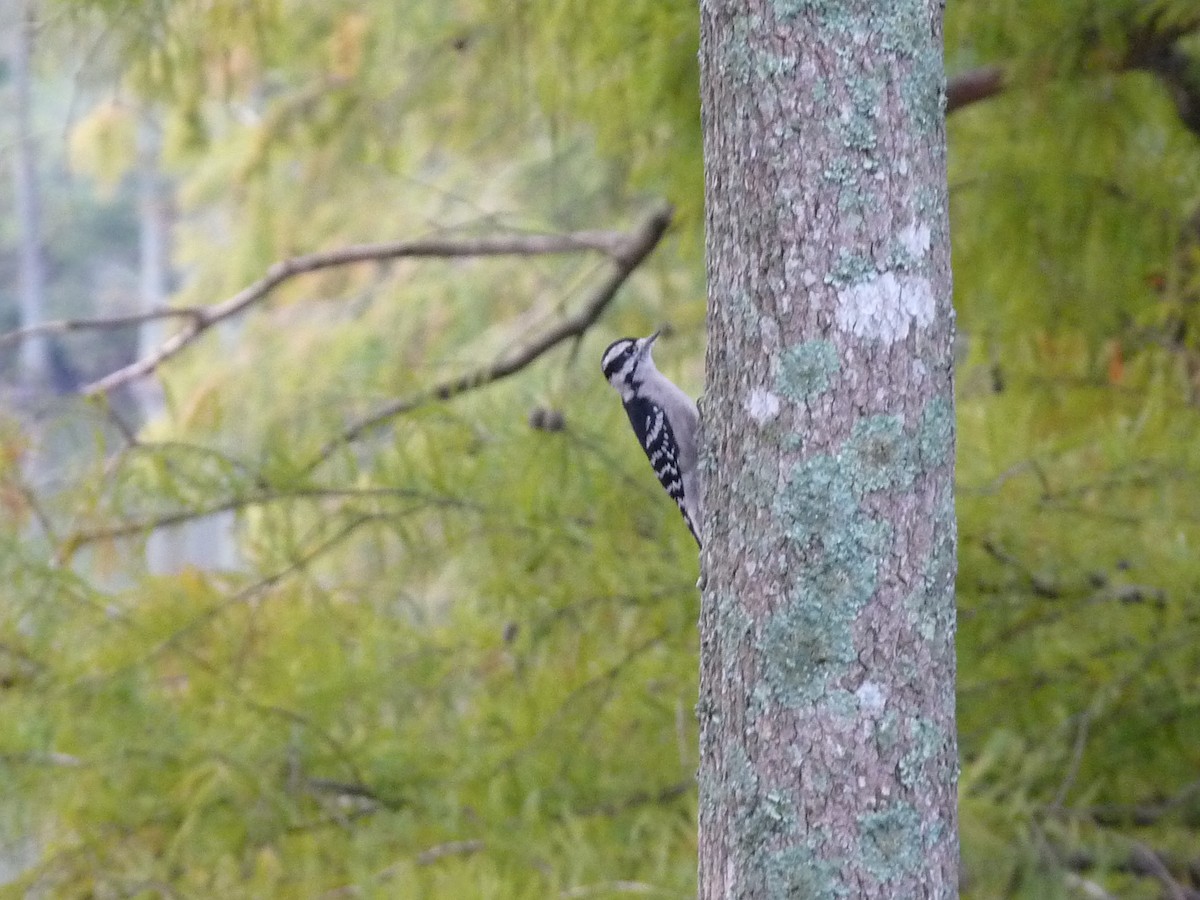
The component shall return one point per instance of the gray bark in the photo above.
(34, 357)
(828, 754)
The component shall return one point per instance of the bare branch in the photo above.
(627, 257)
(1117, 815)
(63, 326)
(974, 85)
(610, 243)
(1143, 862)
(452, 848)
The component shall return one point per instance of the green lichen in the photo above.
(743, 311)
(827, 15)
(802, 646)
(923, 90)
(806, 370)
(764, 817)
(887, 733)
(859, 130)
(818, 499)
(846, 175)
(931, 606)
(733, 624)
(798, 872)
(808, 642)
(903, 27)
(754, 485)
(882, 454)
(904, 33)
(850, 268)
(925, 742)
(935, 432)
(888, 852)
(806, 647)
(773, 65)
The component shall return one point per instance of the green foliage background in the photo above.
(458, 657)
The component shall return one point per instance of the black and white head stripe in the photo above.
(622, 356)
(623, 360)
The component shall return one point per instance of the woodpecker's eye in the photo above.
(616, 356)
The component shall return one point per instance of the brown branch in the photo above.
(1141, 815)
(614, 244)
(634, 248)
(640, 798)
(973, 86)
(1152, 46)
(63, 326)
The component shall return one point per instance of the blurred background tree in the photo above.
(454, 654)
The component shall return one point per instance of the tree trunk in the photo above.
(154, 228)
(34, 358)
(828, 758)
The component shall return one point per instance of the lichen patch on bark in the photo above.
(886, 307)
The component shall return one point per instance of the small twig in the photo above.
(1086, 886)
(626, 258)
(640, 798)
(452, 848)
(1155, 866)
(1077, 751)
(424, 858)
(613, 244)
(236, 504)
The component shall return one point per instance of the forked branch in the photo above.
(616, 245)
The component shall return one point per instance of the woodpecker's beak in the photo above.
(647, 343)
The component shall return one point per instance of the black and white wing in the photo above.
(654, 432)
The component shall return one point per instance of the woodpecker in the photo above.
(664, 419)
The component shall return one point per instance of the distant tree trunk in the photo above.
(34, 358)
(207, 543)
(828, 753)
(153, 261)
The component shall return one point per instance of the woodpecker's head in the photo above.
(627, 362)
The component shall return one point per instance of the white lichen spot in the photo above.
(915, 238)
(885, 307)
(870, 697)
(809, 277)
(762, 405)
